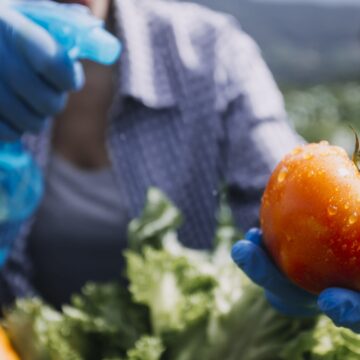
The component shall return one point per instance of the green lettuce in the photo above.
(200, 303)
(39, 332)
(146, 348)
(180, 304)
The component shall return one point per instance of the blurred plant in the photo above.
(324, 112)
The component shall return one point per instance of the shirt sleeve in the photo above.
(14, 276)
(256, 131)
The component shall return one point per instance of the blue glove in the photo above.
(341, 305)
(35, 75)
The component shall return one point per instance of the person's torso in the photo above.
(165, 127)
(80, 231)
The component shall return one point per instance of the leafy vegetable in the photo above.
(39, 332)
(200, 303)
(146, 348)
(181, 304)
(107, 318)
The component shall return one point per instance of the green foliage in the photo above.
(146, 348)
(325, 112)
(158, 217)
(182, 304)
(39, 332)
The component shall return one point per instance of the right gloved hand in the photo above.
(342, 306)
(35, 75)
(251, 256)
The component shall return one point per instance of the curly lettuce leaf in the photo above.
(323, 341)
(182, 304)
(39, 332)
(200, 303)
(146, 348)
(159, 217)
(172, 287)
(107, 317)
(240, 323)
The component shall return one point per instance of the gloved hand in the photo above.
(341, 305)
(35, 75)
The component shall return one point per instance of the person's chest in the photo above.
(79, 132)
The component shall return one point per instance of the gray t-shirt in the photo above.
(80, 231)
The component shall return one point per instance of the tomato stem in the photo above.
(356, 153)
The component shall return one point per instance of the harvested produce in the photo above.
(181, 304)
(310, 217)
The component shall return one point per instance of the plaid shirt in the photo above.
(196, 107)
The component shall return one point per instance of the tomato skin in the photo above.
(310, 217)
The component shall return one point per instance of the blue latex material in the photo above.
(74, 28)
(35, 75)
(20, 183)
(40, 43)
(341, 305)
(251, 257)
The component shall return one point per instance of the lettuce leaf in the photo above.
(146, 348)
(107, 318)
(39, 332)
(180, 304)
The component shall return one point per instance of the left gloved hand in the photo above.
(341, 305)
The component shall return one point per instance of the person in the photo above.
(190, 106)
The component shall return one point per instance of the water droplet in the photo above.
(308, 156)
(332, 210)
(353, 218)
(344, 246)
(324, 143)
(343, 172)
(296, 151)
(346, 206)
(329, 254)
(311, 173)
(282, 174)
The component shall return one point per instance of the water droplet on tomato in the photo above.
(328, 255)
(308, 156)
(343, 172)
(311, 173)
(344, 246)
(353, 218)
(282, 174)
(346, 206)
(332, 210)
(353, 260)
(297, 150)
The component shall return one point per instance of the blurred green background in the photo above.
(325, 111)
(313, 50)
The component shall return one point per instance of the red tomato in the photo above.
(310, 217)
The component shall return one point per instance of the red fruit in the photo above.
(310, 217)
